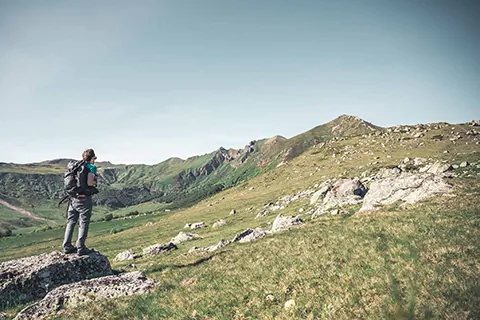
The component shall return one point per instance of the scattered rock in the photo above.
(270, 297)
(30, 278)
(408, 187)
(125, 255)
(289, 304)
(219, 223)
(301, 210)
(3, 316)
(335, 212)
(198, 225)
(149, 224)
(187, 226)
(159, 248)
(464, 164)
(183, 237)
(233, 211)
(250, 235)
(86, 292)
(284, 222)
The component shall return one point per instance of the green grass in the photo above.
(419, 263)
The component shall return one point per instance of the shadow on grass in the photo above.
(198, 262)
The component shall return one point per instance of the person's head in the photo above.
(89, 156)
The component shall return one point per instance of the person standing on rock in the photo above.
(80, 204)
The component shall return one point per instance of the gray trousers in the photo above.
(78, 209)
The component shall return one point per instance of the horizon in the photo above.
(145, 81)
(227, 148)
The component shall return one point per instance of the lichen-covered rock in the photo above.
(250, 235)
(88, 291)
(30, 278)
(125, 255)
(407, 187)
(159, 248)
(183, 237)
(285, 222)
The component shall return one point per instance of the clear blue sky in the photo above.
(142, 81)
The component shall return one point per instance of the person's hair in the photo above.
(88, 155)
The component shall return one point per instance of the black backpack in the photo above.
(70, 182)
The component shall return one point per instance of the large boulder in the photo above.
(87, 292)
(436, 168)
(344, 192)
(250, 235)
(159, 248)
(30, 278)
(408, 187)
(183, 237)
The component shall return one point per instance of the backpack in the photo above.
(70, 182)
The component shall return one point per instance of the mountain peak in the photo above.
(346, 125)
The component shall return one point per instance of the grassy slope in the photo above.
(420, 263)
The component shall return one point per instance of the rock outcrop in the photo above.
(408, 187)
(88, 291)
(344, 192)
(30, 278)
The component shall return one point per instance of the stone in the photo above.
(270, 297)
(250, 235)
(289, 304)
(198, 225)
(282, 222)
(87, 292)
(125, 255)
(464, 164)
(219, 223)
(408, 187)
(301, 210)
(335, 212)
(183, 237)
(438, 168)
(233, 212)
(159, 248)
(30, 278)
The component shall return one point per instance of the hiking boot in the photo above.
(84, 252)
(69, 250)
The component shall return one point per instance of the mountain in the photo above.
(174, 182)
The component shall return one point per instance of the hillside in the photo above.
(404, 260)
(173, 183)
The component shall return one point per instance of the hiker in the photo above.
(80, 204)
